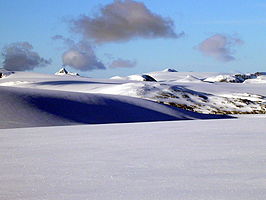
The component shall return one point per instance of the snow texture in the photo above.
(188, 160)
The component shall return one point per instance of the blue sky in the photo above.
(36, 21)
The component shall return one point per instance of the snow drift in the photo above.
(22, 107)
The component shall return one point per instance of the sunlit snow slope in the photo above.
(208, 93)
(24, 107)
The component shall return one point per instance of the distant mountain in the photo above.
(63, 71)
(169, 70)
(5, 73)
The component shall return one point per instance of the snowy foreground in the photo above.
(67, 137)
(194, 160)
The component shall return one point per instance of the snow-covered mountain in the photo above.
(63, 72)
(169, 70)
(5, 73)
(210, 93)
(198, 92)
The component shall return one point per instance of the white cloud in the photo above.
(219, 47)
(122, 63)
(79, 55)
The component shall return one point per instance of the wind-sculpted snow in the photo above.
(209, 93)
(21, 107)
(185, 98)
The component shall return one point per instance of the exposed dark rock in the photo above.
(148, 78)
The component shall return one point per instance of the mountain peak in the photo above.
(63, 71)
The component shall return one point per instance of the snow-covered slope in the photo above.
(193, 91)
(136, 77)
(23, 107)
(223, 78)
(165, 76)
(258, 79)
(185, 160)
(186, 90)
